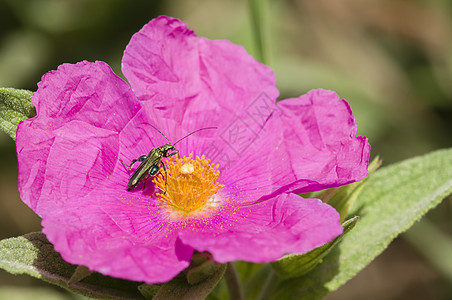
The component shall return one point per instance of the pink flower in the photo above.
(240, 205)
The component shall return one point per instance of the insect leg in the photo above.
(123, 164)
(174, 153)
(133, 161)
(166, 175)
(140, 159)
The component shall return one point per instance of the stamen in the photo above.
(191, 183)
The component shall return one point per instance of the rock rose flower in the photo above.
(233, 192)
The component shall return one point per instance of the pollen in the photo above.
(190, 183)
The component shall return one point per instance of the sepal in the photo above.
(343, 197)
(202, 266)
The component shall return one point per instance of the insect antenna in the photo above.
(157, 130)
(193, 132)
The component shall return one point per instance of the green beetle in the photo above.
(150, 164)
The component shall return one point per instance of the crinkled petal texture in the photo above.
(89, 119)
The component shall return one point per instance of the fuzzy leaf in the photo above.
(392, 200)
(15, 106)
(32, 254)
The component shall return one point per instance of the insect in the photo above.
(150, 164)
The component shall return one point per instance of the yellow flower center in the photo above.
(191, 183)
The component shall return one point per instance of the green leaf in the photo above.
(179, 288)
(15, 106)
(296, 265)
(32, 254)
(392, 200)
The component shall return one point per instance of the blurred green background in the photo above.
(391, 59)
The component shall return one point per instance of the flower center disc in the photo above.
(190, 182)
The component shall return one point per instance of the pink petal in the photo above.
(268, 230)
(319, 137)
(306, 144)
(85, 235)
(194, 81)
(72, 144)
(87, 92)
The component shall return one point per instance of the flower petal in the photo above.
(319, 139)
(87, 92)
(304, 144)
(194, 81)
(72, 143)
(266, 231)
(85, 235)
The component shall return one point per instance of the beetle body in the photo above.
(150, 165)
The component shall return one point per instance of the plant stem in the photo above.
(233, 283)
(268, 286)
(259, 28)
